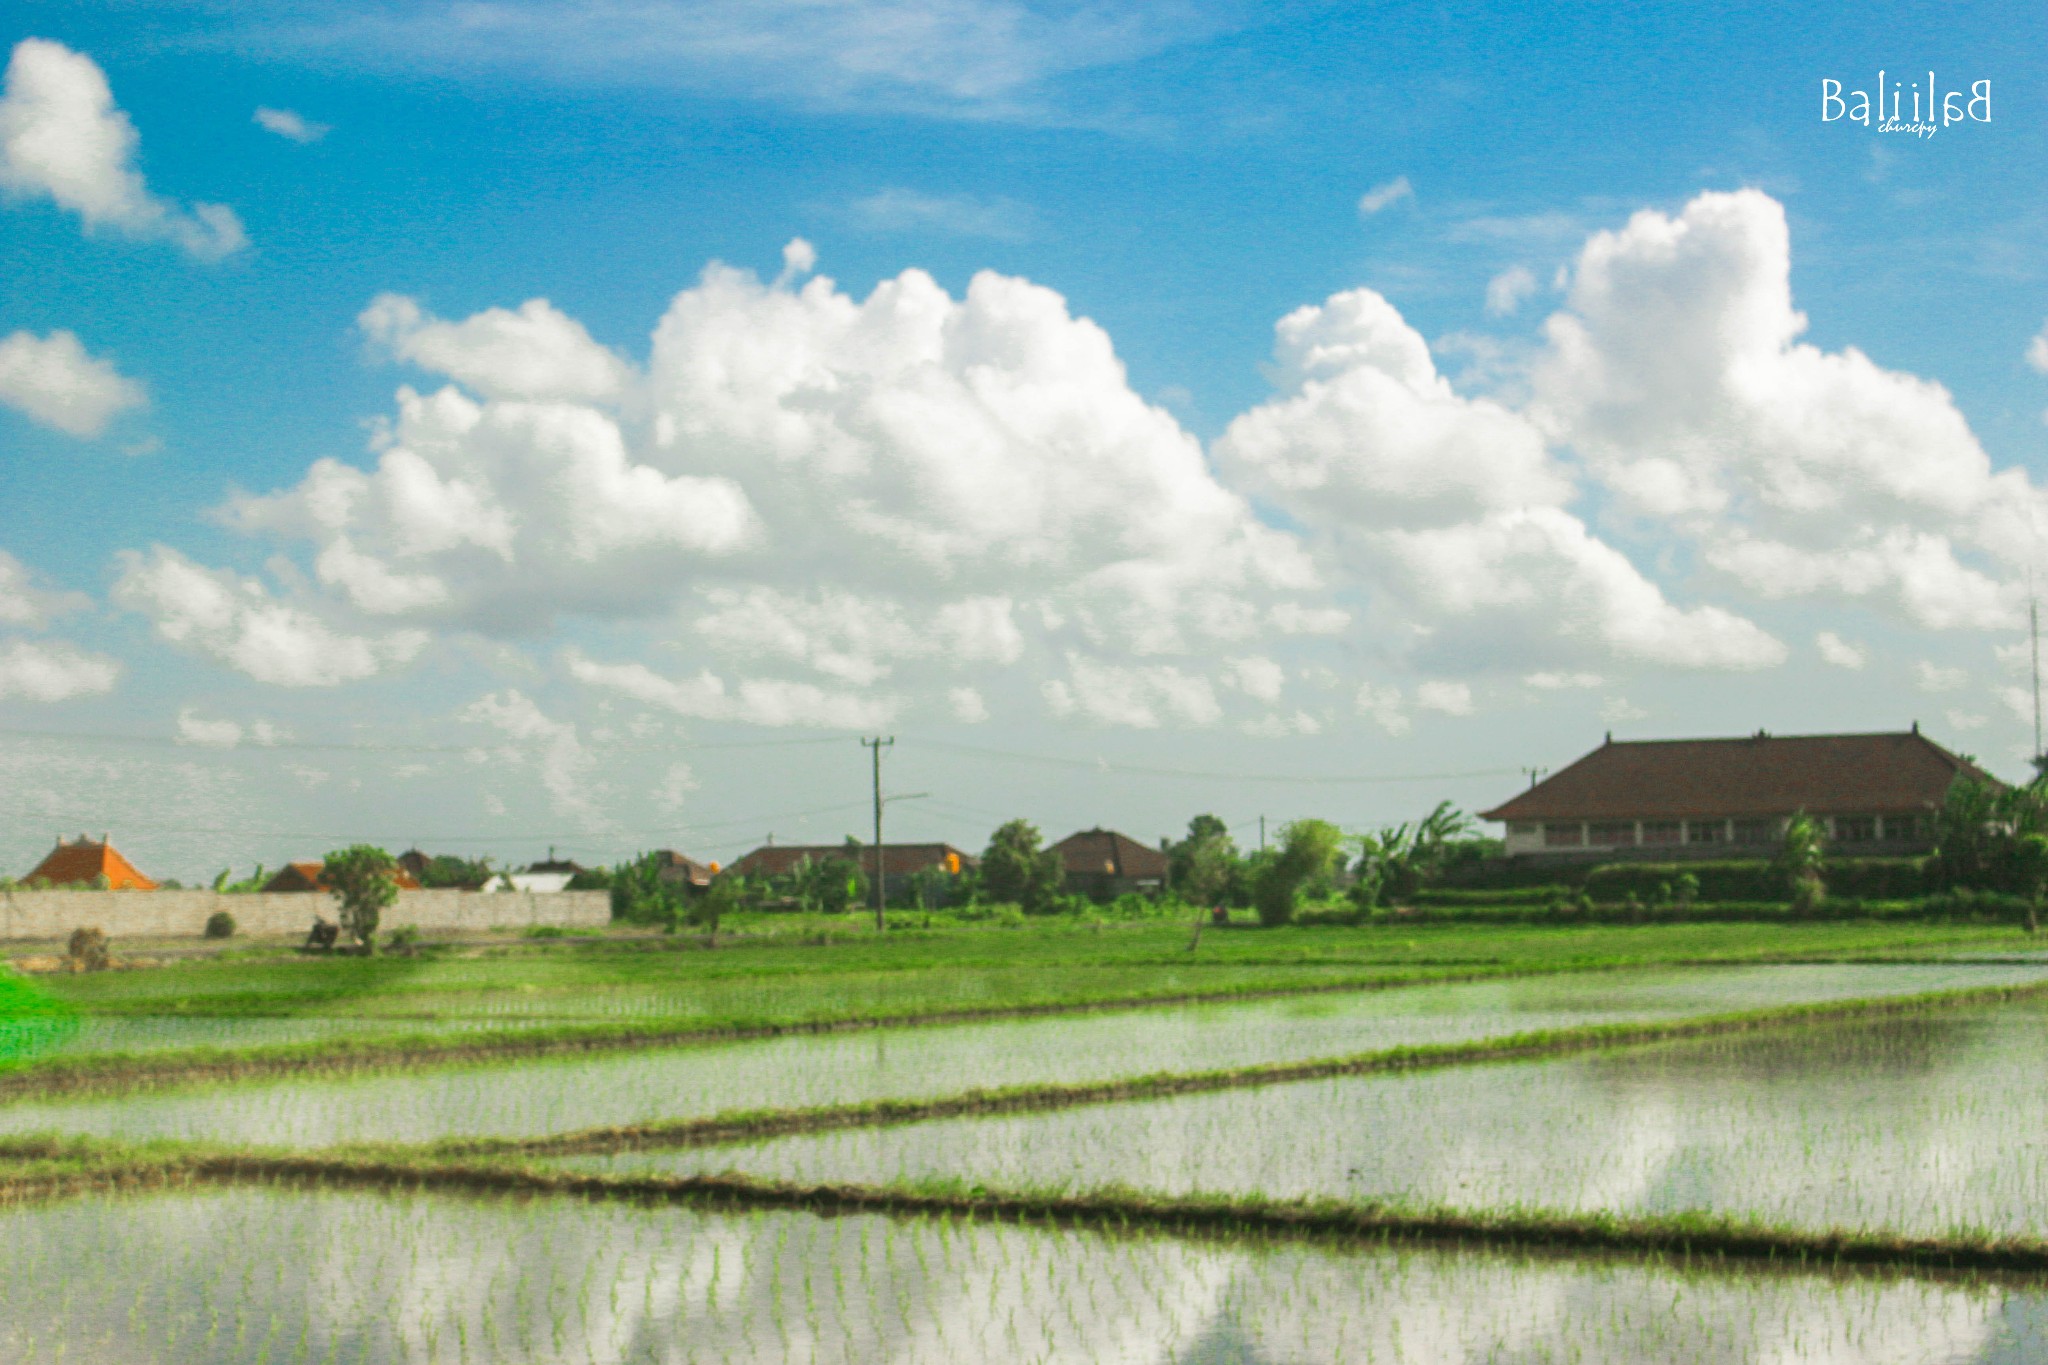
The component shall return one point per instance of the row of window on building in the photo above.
(1842, 829)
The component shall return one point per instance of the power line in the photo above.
(357, 746)
(1140, 770)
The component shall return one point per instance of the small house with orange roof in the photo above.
(84, 862)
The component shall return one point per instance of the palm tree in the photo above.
(1800, 859)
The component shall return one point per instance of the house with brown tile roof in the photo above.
(304, 876)
(1102, 864)
(1876, 794)
(84, 862)
(900, 862)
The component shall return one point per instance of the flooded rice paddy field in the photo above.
(551, 1094)
(1929, 1123)
(295, 1275)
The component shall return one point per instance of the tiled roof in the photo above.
(898, 860)
(1104, 851)
(1761, 775)
(306, 876)
(680, 867)
(79, 864)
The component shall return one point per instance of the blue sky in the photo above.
(1625, 471)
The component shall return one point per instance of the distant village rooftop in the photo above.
(1713, 797)
(85, 861)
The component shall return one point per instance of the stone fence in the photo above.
(183, 914)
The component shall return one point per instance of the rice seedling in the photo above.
(295, 1274)
(1910, 1124)
(543, 1095)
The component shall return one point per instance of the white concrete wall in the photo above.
(170, 914)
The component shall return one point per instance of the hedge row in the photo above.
(1967, 905)
(1845, 878)
(1520, 895)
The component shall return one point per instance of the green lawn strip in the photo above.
(92, 1072)
(754, 1125)
(998, 966)
(1683, 1234)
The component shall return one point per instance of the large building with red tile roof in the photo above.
(1718, 798)
(84, 862)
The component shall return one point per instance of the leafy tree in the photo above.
(829, 885)
(727, 893)
(1016, 869)
(1398, 860)
(362, 879)
(640, 895)
(447, 870)
(1308, 850)
(1800, 858)
(1203, 866)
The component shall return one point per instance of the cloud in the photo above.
(1550, 680)
(1385, 196)
(1449, 698)
(1256, 676)
(1616, 710)
(967, 705)
(1139, 697)
(63, 138)
(1965, 720)
(33, 671)
(237, 622)
(856, 639)
(53, 381)
(1366, 432)
(755, 701)
(287, 124)
(535, 352)
(22, 603)
(1676, 373)
(1537, 582)
(1929, 676)
(1839, 652)
(1382, 704)
(194, 728)
(797, 455)
(2037, 350)
(952, 58)
(1506, 291)
(956, 215)
(554, 747)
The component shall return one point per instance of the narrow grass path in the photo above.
(28, 1173)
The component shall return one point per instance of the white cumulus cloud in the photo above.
(1839, 652)
(1675, 371)
(236, 621)
(50, 672)
(24, 603)
(1141, 697)
(1449, 698)
(55, 382)
(63, 138)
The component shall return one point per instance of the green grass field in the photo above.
(781, 978)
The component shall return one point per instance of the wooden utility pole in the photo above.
(877, 744)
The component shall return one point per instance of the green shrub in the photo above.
(220, 924)
(1854, 878)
